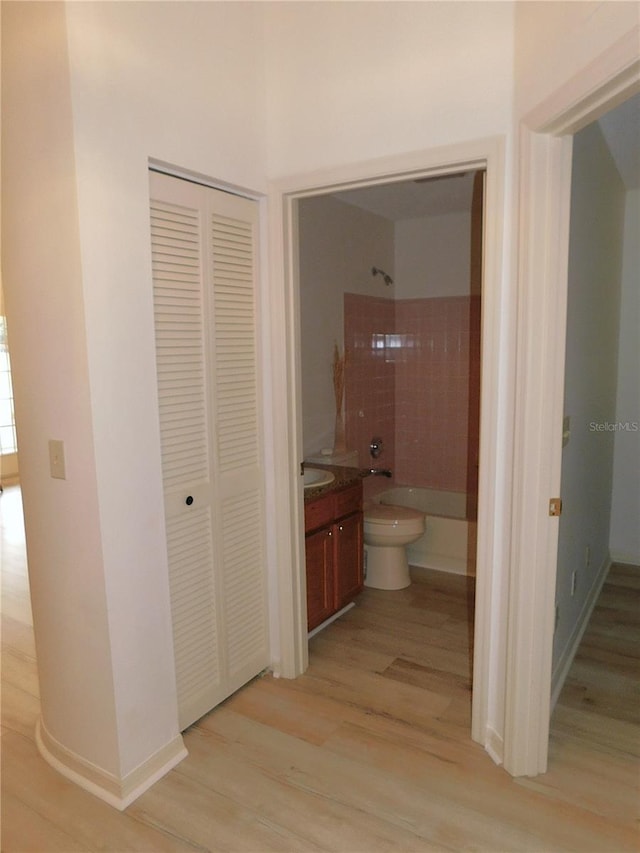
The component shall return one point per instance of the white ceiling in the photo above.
(412, 199)
(621, 130)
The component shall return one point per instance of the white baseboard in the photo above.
(494, 744)
(449, 565)
(561, 670)
(117, 792)
(625, 558)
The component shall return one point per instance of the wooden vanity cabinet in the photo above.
(320, 575)
(348, 577)
(334, 556)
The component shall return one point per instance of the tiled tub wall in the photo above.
(413, 378)
(370, 377)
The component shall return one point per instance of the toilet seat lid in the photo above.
(390, 514)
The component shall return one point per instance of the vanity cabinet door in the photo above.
(320, 575)
(349, 559)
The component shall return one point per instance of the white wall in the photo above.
(433, 256)
(555, 40)
(348, 82)
(43, 285)
(624, 540)
(339, 244)
(595, 262)
(182, 83)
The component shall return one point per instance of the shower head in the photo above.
(377, 271)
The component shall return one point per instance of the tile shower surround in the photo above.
(413, 378)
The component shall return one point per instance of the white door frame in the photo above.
(545, 151)
(498, 376)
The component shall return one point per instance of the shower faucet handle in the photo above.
(375, 447)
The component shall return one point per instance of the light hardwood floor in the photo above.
(368, 751)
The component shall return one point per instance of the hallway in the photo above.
(369, 750)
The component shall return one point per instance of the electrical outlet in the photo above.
(573, 582)
(587, 556)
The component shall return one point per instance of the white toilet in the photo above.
(387, 530)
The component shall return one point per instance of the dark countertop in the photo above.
(343, 477)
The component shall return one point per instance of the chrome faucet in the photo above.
(379, 472)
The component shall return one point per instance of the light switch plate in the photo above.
(56, 459)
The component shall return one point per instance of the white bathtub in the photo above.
(449, 542)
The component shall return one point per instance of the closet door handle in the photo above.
(189, 500)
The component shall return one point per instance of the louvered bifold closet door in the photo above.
(237, 458)
(204, 283)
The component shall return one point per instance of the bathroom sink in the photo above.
(314, 477)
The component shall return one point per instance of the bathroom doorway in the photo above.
(494, 488)
(392, 275)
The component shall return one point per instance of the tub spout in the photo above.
(379, 472)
